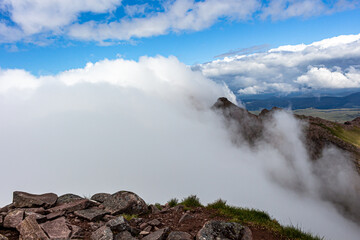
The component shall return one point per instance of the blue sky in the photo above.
(49, 37)
(191, 47)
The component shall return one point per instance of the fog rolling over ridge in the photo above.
(148, 127)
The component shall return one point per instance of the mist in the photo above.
(148, 127)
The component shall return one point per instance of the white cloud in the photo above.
(32, 19)
(41, 16)
(115, 124)
(181, 15)
(283, 9)
(330, 63)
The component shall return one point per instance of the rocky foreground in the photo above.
(69, 216)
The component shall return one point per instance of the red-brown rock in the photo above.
(56, 229)
(23, 199)
(71, 206)
(13, 218)
(30, 229)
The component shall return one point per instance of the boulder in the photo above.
(27, 200)
(179, 236)
(1, 220)
(66, 198)
(213, 230)
(92, 214)
(30, 229)
(71, 206)
(38, 217)
(13, 218)
(125, 202)
(7, 208)
(56, 229)
(154, 222)
(158, 235)
(185, 217)
(118, 224)
(103, 233)
(35, 210)
(100, 197)
(125, 235)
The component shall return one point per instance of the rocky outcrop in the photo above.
(214, 230)
(125, 202)
(22, 199)
(74, 218)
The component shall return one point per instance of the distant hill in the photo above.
(349, 101)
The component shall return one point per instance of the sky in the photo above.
(108, 95)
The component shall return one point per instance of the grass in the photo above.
(173, 202)
(191, 201)
(259, 218)
(350, 136)
(129, 217)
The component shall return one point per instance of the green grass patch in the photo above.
(191, 201)
(158, 205)
(351, 136)
(128, 217)
(260, 218)
(173, 202)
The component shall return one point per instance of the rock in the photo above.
(92, 214)
(38, 217)
(148, 229)
(96, 225)
(125, 235)
(7, 208)
(153, 209)
(247, 234)
(177, 208)
(1, 220)
(30, 229)
(185, 217)
(154, 222)
(118, 224)
(100, 197)
(66, 198)
(125, 202)
(103, 233)
(13, 218)
(56, 229)
(2, 237)
(23, 199)
(108, 217)
(179, 236)
(54, 215)
(143, 226)
(71, 206)
(158, 235)
(35, 210)
(143, 233)
(213, 230)
(76, 232)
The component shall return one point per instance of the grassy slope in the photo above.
(248, 217)
(335, 115)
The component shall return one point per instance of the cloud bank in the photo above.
(146, 126)
(38, 21)
(327, 64)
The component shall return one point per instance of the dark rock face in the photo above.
(214, 230)
(56, 229)
(23, 199)
(179, 236)
(66, 198)
(125, 202)
(30, 229)
(100, 197)
(92, 214)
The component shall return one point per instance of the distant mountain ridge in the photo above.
(349, 101)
